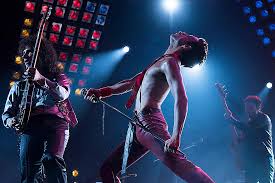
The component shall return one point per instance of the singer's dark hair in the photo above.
(196, 55)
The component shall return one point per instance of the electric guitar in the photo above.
(223, 93)
(26, 101)
(236, 135)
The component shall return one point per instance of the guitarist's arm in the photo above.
(232, 119)
(11, 107)
(59, 90)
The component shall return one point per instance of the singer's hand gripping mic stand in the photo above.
(134, 121)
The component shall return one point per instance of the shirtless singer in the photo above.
(149, 90)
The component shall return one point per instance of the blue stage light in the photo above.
(264, 13)
(266, 40)
(269, 85)
(100, 20)
(91, 7)
(126, 49)
(273, 53)
(252, 19)
(259, 4)
(272, 27)
(246, 10)
(270, 1)
(260, 32)
(103, 9)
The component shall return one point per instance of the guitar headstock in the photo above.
(46, 11)
(222, 90)
(49, 12)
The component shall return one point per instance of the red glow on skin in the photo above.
(73, 15)
(80, 43)
(59, 12)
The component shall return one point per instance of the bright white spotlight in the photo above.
(170, 5)
(269, 85)
(126, 49)
(196, 67)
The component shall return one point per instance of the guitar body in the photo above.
(25, 107)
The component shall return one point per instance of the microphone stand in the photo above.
(134, 121)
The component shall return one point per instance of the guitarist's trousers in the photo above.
(42, 146)
(144, 142)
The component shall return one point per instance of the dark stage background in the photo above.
(237, 58)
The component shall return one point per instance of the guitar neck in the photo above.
(233, 128)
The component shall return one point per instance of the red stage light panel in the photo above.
(44, 8)
(73, 67)
(88, 60)
(83, 33)
(62, 2)
(77, 4)
(54, 38)
(73, 15)
(59, 12)
(80, 43)
(29, 6)
(63, 56)
(56, 27)
(67, 41)
(70, 30)
(93, 45)
(81, 83)
(87, 17)
(76, 58)
(86, 70)
(48, 1)
(96, 35)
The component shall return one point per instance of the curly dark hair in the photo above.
(196, 55)
(47, 57)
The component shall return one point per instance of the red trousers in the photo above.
(144, 142)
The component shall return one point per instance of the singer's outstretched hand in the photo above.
(92, 95)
